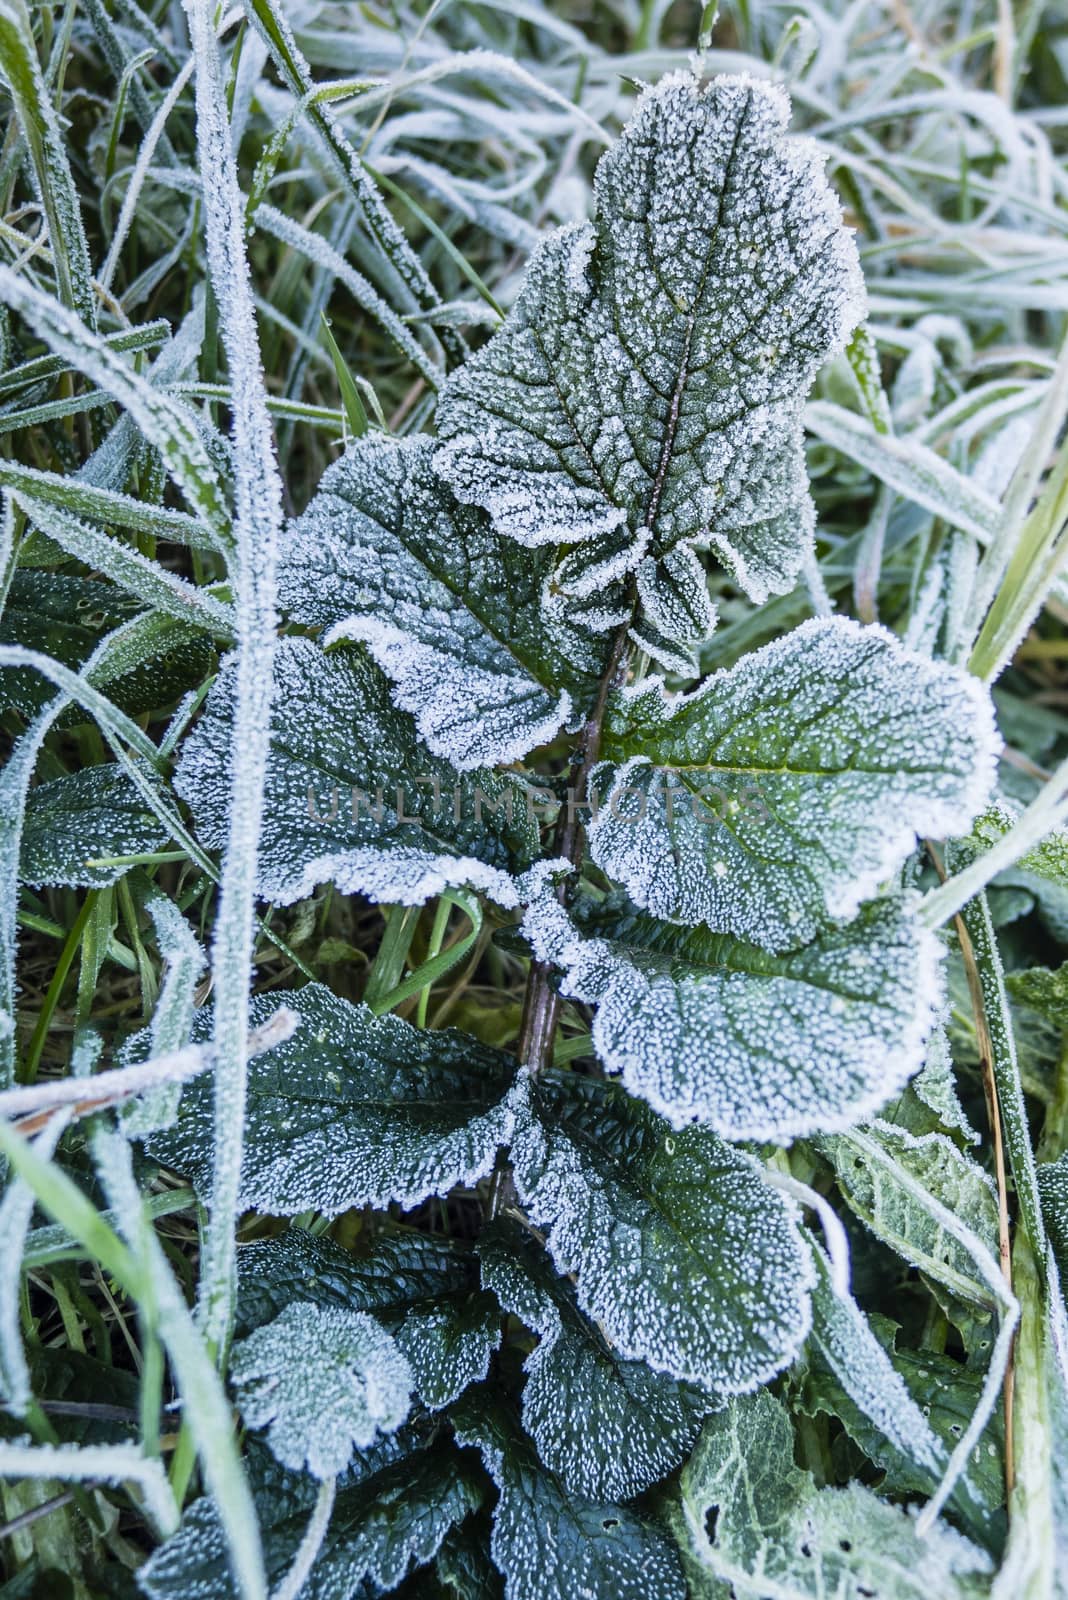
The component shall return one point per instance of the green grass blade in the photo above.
(55, 184)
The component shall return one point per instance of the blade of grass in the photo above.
(130, 570)
(55, 184)
(257, 527)
(165, 423)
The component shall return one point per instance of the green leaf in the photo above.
(398, 1271)
(880, 1192)
(844, 1339)
(353, 1110)
(607, 1428)
(172, 1020)
(1044, 989)
(73, 821)
(681, 1253)
(936, 1088)
(424, 1290)
(53, 179)
(644, 393)
(128, 569)
(350, 796)
(551, 1545)
(449, 1346)
(908, 466)
(946, 1393)
(452, 612)
(463, 1564)
(786, 789)
(758, 1046)
(751, 1524)
(393, 1509)
(350, 394)
(321, 1381)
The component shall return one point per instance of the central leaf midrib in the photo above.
(667, 446)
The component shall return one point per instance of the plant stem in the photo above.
(541, 1003)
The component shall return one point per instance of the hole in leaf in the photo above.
(711, 1523)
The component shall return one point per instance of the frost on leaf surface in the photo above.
(395, 1505)
(787, 788)
(750, 1522)
(450, 609)
(844, 1339)
(83, 817)
(879, 1174)
(644, 394)
(606, 1427)
(353, 1110)
(449, 1346)
(680, 1251)
(552, 1545)
(711, 1029)
(352, 796)
(322, 1381)
(425, 1291)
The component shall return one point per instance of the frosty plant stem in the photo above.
(257, 523)
(541, 1004)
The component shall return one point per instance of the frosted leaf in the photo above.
(450, 609)
(551, 1545)
(751, 1523)
(321, 1381)
(712, 1029)
(401, 1272)
(351, 796)
(17, 1202)
(786, 789)
(1041, 871)
(449, 1347)
(881, 1193)
(607, 1428)
(1053, 1191)
(647, 384)
(424, 1290)
(85, 816)
(393, 1508)
(172, 1020)
(946, 1393)
(936, 1087)
(843, 1336)
(681, 1253)
(67, 617)
(353, 1110)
